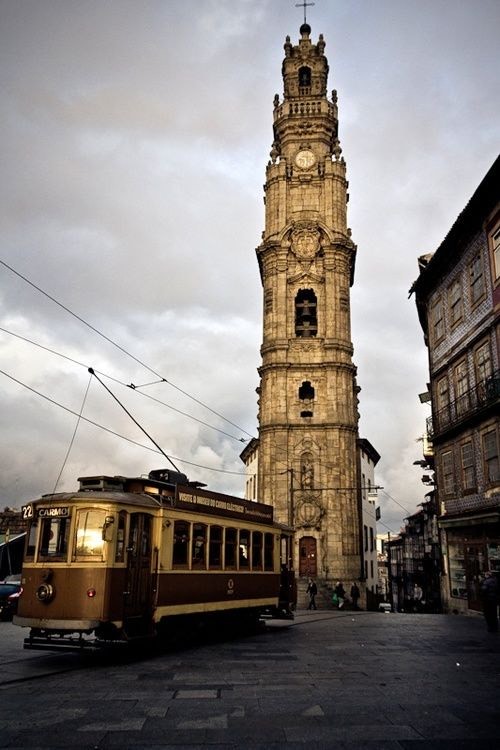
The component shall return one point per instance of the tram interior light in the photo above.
(91, 593)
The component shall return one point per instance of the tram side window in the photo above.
(120, 537)
(215, 547)
(54, 539)
(230, 549)
(198, 559)
(244, 548)
(181, 544)
(269, 552)
(257, 550)
(89, 532)
(31, 541)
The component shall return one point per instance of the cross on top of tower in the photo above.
(303, 5)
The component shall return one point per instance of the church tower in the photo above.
(308, 419)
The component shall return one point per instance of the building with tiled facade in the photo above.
(458, 302)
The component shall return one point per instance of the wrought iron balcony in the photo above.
(471, 402)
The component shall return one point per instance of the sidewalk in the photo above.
(328, 680)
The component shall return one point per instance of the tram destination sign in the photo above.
(222, 505)
(54, 511)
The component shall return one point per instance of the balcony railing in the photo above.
(475, 399)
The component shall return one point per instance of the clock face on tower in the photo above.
(305, 159)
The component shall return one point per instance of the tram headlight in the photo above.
(45, 592)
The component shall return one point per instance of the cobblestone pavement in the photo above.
(329, 680)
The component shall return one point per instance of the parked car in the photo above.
(10, 591)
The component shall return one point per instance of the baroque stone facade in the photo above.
(308, 418)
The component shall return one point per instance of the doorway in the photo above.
(308, 558)
(138, 602)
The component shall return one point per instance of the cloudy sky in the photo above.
(134, 138)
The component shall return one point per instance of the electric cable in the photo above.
(116, 434)
(133, 418)
(121, 348)
(126, 385)
(73, 437)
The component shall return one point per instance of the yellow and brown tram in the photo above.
(124, 558)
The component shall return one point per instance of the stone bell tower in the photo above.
(308, 419)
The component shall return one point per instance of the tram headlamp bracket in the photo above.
(107, 529)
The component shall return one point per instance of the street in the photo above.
(327, 680)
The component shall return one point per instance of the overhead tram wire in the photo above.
(121, 348)
(92, 372)
(73, 436)
(125, 385)
(116, 434)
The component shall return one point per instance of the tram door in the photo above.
(139, 593)
(307, 562)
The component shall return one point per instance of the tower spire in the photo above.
(303, 5)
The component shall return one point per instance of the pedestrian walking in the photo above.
(340, 592)
(417, 597)
(355, 594)
(312, 590)
(489, 596)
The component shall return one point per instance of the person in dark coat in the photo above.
(355, 594)
(312, 590)
(489, 597)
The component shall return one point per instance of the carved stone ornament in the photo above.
(305, 243)
(308, 509)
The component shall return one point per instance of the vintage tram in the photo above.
(123, 559)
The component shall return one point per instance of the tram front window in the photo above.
(89, 534)
(31, 541)
(54, 539)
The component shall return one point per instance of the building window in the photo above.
(496, 253)
(306, 321)
(462, 387)
(455, 301)
(468, 469)
(371, 541)
(365, 529)
(490, 452)
(482, 361)
(476, 279)
(438, 320)
(447, 471)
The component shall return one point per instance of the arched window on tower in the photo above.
(306, 395)
(306, 321)
(306, 391)
(304, 78)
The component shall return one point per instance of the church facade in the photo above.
(308, 418)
